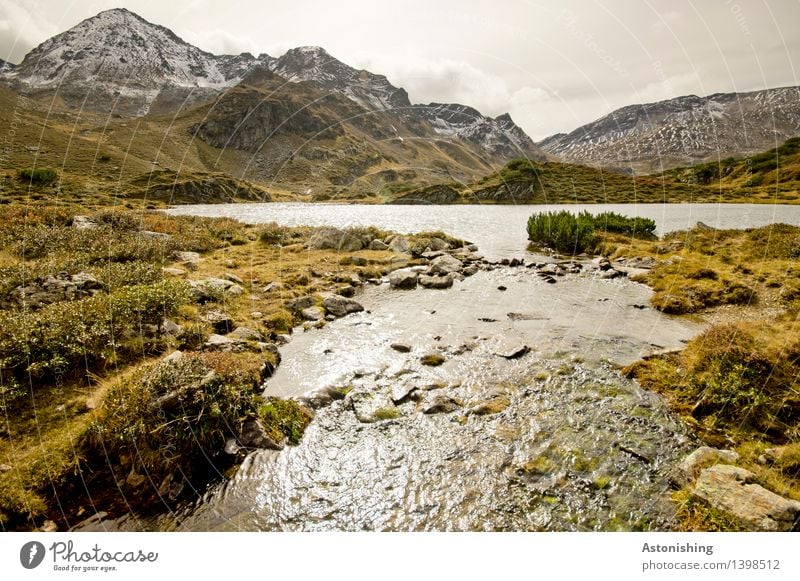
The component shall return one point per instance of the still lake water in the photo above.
(499, 231)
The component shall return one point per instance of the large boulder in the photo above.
(440, 282)
(732, 490)
(335, 239)
(445, 264)
(339, 306)
(213, 289)
(403, 279)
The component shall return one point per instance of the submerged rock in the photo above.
(432, 359)
(339, 306)
(436, 282)
(441, 403)
(372, 407)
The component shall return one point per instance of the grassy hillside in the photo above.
(772, 175)
(769, 177)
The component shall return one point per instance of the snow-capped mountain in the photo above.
(313, 63)
(684, 130)
(500, 136)
(117, 59)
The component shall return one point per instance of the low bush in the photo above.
(742, 377)
(38, 177)
(87, 334)
(574, 233)
(563, 231)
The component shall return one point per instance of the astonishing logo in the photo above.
(31, 554)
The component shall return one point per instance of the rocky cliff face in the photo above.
(682, 131)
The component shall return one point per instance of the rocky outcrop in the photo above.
(52, 289)
(435, 194)
(336, 239)
(213, 289)
(733, 490)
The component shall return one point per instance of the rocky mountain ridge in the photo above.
(652, 137)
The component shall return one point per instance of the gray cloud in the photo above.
(552, 64)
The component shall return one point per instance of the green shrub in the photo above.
(116, 219)
(38, 177)
(87, 334)
(563, 231)
(272, 234)
(618, 224)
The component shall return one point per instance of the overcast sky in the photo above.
(553, 64)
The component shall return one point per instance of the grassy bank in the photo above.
(93, 416)
(736, 383)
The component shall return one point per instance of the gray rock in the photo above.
(212, 289)
(441, 403)
(232, 447)
(612, 273)
(469, 270)
(245, 334)
(335, 239)
(690, 467)
(300, 303)
(255, 436)
(339, 306)
(378, 245)
(190, 259)
(401, 347)
(49, 289)
(272, 287)
(437, 282)
(402, 390)
(512, 350)
(233, 278)
(445, 264)
(550, 268)
(399, 244)
(732, 490)
(174, 357)
(153, 235)
(170, 327)
(5, 468)
(173, 271)
(222, 343)
(312, 314)
(83, 223)
(437, 244)
(431, 254)
(221, 322)
(403, 279)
